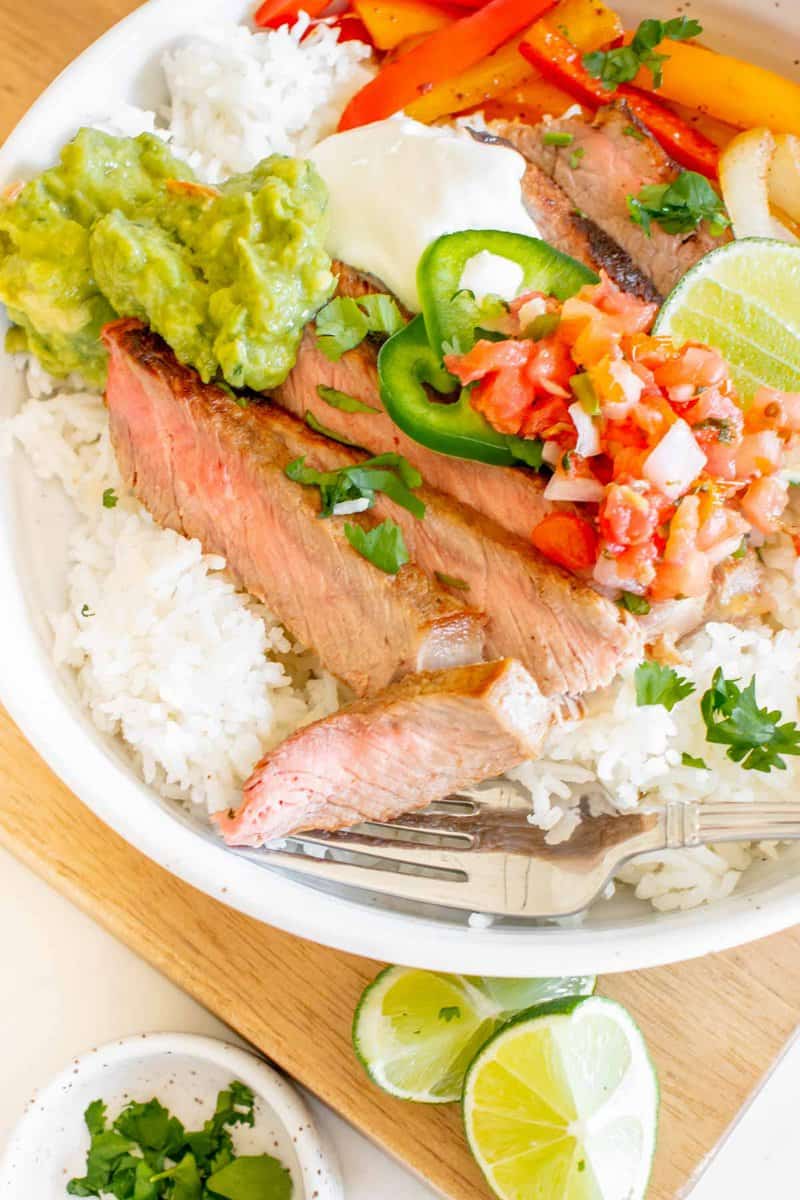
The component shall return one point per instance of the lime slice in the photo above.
(562, 1104)
(743, 299)
(416, 1032)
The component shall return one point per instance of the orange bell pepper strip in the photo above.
(591, 24)
(560, 62)
(737, 92)
(445, 53)
(391, 22)
(274, 13)
(528, 101)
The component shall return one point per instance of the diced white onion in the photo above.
(347, 507)
(723, 550)
(587, 430)
(530, 310)
(744, 179)
(579, 490)
(552, 454)
(676, 461)
(490, 274)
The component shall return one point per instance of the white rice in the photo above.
(200, 680)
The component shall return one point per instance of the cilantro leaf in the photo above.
(452, 581)
(185, 1178)
(109, 1154)
(752, 734)
(316, 425)
(251, 1177)
(635, 604)
(621, 64)
(152, 1127)
(110, 498)
(384, 546)
(95, 1115)
(450, 1013)
(344, 322)
(388, 473)
(688, 760)
(342, 401)
(660, 685)
(680, 206)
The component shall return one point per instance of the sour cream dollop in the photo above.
(396, 185)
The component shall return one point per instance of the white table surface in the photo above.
(66, 985)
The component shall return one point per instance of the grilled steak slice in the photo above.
(214, 471)
(561, 224)
(374, 760)
(612, 167)
(512, 496)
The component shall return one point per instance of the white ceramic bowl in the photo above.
(619, 935)
(185, 1073)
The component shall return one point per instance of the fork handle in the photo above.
(699, 824)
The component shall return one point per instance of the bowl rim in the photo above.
(357, 926)
(316, 1159)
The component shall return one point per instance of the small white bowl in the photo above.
(48, 1146)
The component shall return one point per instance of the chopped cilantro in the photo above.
(741, 549)
(632, 131)
(316, 425)
(688, 760)
(575, 157)
(660, 685)
(384, 546)
(752, 734)
(450, 1013)
(147, 1154)
(451, 581)
(635, 604)
(623, 63)
(110, 498)
(344, 322)
(680, 206)
(388, 473)
(86, 611)
(342, 401)
(554, 137)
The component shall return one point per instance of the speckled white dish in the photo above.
(620, 935)
(185, 1072)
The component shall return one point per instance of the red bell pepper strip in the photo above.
(351, 28)
(561, 63)
(443, 54)
(274, 13)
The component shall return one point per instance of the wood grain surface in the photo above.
(714, 1026)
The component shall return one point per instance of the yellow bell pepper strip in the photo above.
(590, 23)
(529, 101)
(444, 53)
(391, 22)
(737, 92)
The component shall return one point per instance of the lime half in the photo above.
(416, 1032)
(743, 299)
(562, 1104)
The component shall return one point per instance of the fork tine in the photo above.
(415, 855)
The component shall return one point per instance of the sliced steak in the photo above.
(598, 182)
(374, 760)
(214, 471)
(512, 496)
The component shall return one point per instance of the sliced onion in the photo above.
(552, 454)
(743, 174)
(588, 433)
(579, 489)
(784, 175)
(676, 461)
(346, 508)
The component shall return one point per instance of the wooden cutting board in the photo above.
(714, 1027)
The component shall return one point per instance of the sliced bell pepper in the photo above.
(737, 92)
(591, 24)
(544, 269)
(444, 53)
(351, 28)
(391, 22)
(560, 62)
(528, 101)
(274, 13)
(407, 366)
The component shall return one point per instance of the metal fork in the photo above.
(486, 856)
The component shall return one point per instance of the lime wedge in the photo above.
(743, 299)
(562, 1104)
(416, 1032)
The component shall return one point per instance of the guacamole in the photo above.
(228, 275)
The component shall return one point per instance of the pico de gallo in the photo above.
(660, 469)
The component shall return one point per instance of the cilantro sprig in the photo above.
(656, 684)
(623, 63)
(384, 545)
(344, 322)
(388, 473)
(680, 206)
(147, 1154)
(734, 718)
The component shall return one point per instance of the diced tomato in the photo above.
(771, 409)
(715, 417)
(683, 530)
(486, 356)
(758, 454)
(721, 533)
(550, 420)
(699, 366)
(674, 581)
(504, 398)
(629, 515)
(550, 368)
(763, 503)
(628, 461)
(566, 539)
(631, 314)
(631, 571)
(617, 386)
